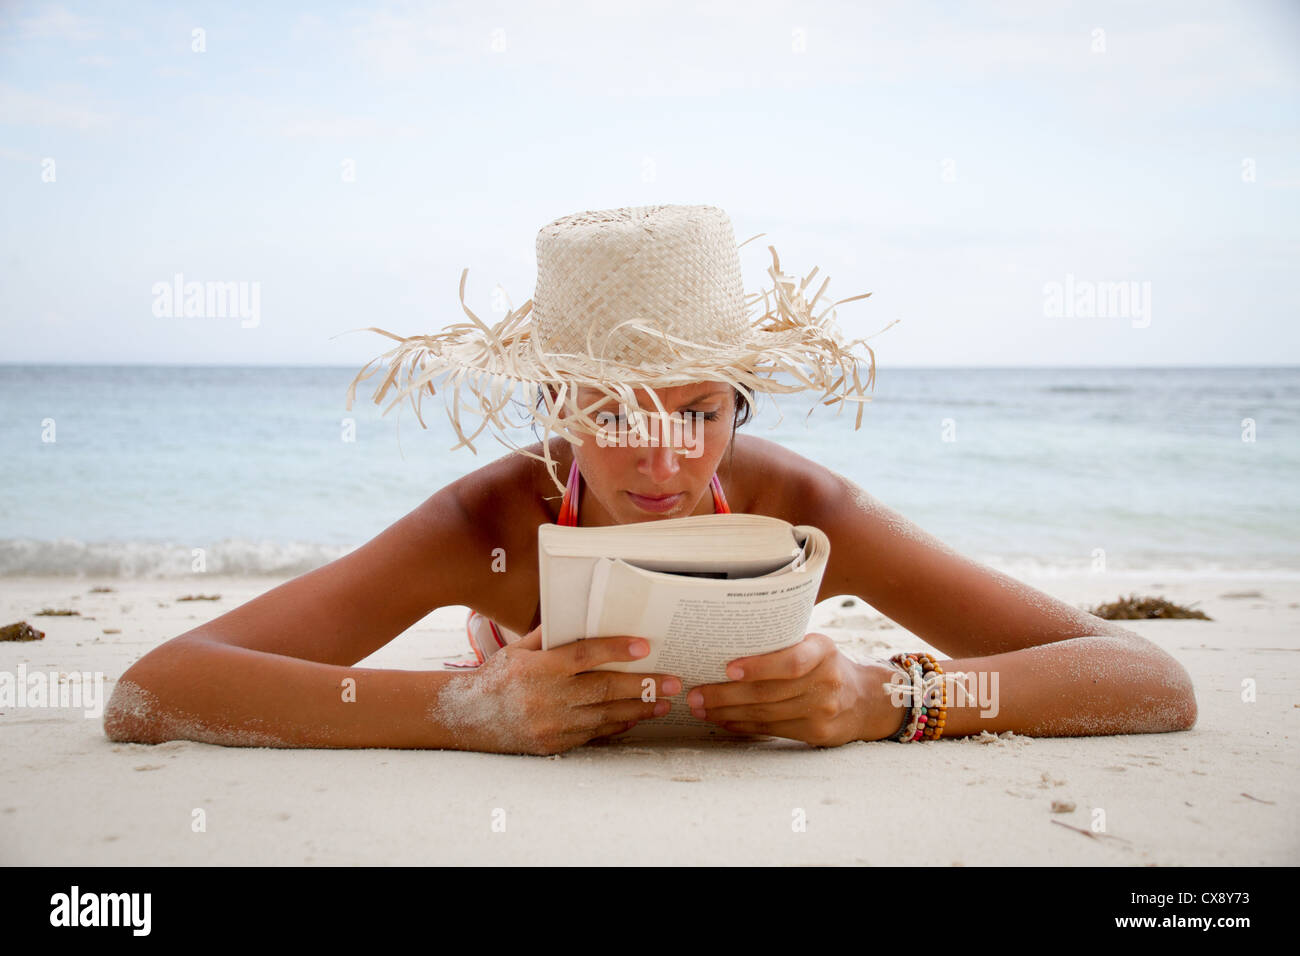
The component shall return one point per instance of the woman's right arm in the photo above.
(524, 700)
(278, 671)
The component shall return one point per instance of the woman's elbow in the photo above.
(134, 713)
(128, 718)
(1183, 710)
(1168, 685)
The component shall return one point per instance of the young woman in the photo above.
(280, 670)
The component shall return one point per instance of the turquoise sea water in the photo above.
(1022, 468)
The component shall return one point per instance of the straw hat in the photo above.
(641, 297)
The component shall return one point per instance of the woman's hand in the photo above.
(528, 700)
(808, 691)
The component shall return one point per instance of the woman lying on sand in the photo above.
(659, 332)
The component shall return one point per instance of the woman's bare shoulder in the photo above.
(514, 486)
(764, 477)
(493, 513)
(506, 499)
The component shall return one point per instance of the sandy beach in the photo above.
(1225, 792)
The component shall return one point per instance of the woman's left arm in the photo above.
(1048, 669)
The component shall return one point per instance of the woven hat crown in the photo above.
(638, 297)
(612, 283)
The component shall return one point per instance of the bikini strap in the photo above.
(572, 494)
(719, 499)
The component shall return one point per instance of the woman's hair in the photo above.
(742, 408)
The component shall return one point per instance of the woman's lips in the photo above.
(657, 505)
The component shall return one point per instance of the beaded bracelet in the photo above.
(930, 697)
(934, 728)
(936, 701)
(903, 688)
(916, 713)
(936, 709)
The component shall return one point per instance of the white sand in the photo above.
(68, 795)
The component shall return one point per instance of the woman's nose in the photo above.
(660, 462)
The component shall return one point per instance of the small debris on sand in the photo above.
(56, 612)
(21, 631)
(200, 597)
(1091, 834)
(1257, 799)
(1005, 739)
(1134, 608)
(1062, 806)
(102, 590)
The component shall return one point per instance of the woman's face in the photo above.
(679, 459)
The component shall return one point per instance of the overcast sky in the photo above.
(960, 162)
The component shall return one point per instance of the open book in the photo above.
(703, 590)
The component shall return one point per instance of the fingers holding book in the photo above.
(809, 691)
(790, 663)
(587, 654)
(550, 701)
(618, 699)
(602, 686)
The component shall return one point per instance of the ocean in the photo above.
(123, 471)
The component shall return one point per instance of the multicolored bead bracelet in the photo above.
(929, 711)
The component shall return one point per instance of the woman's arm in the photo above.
(1058, 670)
(525, 700)
(197, 688)
(1084, 686)
(1048, 669)
(1077, 687)
(277, 671)
(1080, 686)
